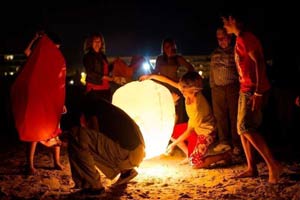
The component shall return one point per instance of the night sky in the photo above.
(137, 27)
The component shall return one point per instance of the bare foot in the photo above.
(165, 156)
(51, 142)
(275, 173)
(58, 166)
(247, 174)
(184, 161)
(31, 171)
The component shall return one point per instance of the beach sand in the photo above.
(159, 178)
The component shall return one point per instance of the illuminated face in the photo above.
(97, 44)
(189, 94)
(223, 38)
(170, 49)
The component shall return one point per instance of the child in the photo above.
(254, 91)
(200, 131)
(36, 115)
(54, 143)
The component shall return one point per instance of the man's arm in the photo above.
(183, 62)
(257, 58)
(181, 138)
(27, 51)
(161, 79)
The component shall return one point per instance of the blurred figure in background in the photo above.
(96, 67)
(224, 83)
(123, 73)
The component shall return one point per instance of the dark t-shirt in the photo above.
(115, 123)
(96, 66)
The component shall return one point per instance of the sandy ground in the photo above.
(159, 178)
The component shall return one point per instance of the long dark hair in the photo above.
(89, 42)
(164, 42)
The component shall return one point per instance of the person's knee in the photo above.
(137, 156)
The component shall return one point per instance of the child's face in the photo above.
(189, 95)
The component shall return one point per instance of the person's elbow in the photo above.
(27, 52)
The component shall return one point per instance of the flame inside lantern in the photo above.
(151, 106)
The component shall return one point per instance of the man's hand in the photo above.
(145, 77)
(256, 102)
(175, 97)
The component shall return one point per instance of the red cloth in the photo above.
(191, 140)
(38, 93)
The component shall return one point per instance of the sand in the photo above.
(158, 178)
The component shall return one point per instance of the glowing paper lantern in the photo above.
(151, 106)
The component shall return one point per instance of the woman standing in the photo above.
(96, 66)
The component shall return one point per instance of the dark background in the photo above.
(138, 27)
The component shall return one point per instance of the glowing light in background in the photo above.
(151, 106)
(71, 82)
(146, 66)
(152, 62)
(82, 78)
(200, 73)
(8, 57)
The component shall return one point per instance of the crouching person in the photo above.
(107, 140)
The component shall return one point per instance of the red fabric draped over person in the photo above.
(38, 93)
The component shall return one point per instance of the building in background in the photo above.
(10, 64)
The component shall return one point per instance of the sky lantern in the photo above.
(151, 106)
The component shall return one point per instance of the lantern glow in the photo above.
(151, 106)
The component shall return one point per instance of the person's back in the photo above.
(108, 140)
(113, 121)
(201, 115)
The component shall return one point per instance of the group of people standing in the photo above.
(103, 137)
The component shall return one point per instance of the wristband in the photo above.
(257, 94)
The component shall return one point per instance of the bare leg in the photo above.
(260, 145)
(56, 154)
(215, 158)
(184, 161)
(30, 157)
(251, 169)
(184, 148)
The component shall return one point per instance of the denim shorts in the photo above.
(247, 120)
